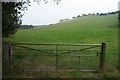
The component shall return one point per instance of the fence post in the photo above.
(102, 56)
(7, 51)
(79, 63)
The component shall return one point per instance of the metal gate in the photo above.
(25, 57)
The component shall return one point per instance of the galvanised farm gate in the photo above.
(26, 57)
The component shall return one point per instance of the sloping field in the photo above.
(83, 30)
(90, 29)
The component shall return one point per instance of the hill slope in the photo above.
(88, 29)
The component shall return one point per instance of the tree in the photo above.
(78, 16)
(11, 16)
(73, 17)
(97, 13)
(12, 13)
(118, 16)
(119, 19)
(84, 15)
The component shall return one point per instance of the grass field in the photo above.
(83, 30)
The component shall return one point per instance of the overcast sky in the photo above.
(50, 13)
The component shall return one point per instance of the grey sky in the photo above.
(49, 13)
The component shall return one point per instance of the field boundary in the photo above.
(8, 52)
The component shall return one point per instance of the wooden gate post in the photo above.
(7, 51)
(102, 56)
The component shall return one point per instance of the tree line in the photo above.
(98, 14)
(26, 26)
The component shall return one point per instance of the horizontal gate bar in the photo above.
(58, 44)
(32, 49)
(79, 50)
(60, 70)
(84, 55)
(53, 49)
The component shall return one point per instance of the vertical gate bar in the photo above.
(33, 65)
(78, 62)
(102, 56)
(56, 56)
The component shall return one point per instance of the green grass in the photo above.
(80, 30)
(83, 30)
